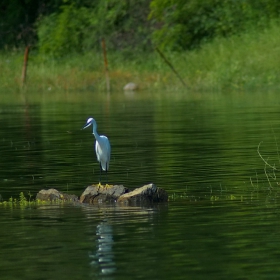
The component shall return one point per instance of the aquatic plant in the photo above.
(23, 201)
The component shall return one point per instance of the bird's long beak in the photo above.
(86, 125)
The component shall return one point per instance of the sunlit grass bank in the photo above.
(248, 61)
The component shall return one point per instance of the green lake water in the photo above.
(222, 220)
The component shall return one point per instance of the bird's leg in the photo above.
(99, 184)
(107, 185)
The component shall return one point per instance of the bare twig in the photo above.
(106, 65)
(24, 69)
(275, 139)
(253, 183)
(266, 163)
(170, 65)
(267, 177)
(273, 175)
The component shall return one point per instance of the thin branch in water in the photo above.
(273, 175)
(266, 163)
(270, 186)
(252, 184)
(277, 148)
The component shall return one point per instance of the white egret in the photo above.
(102, 147)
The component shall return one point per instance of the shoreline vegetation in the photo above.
(247, 61)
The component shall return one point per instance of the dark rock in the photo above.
(1, 199)
(101, 194)
(145, 195)
(53, 195)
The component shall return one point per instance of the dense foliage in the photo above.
(62, 26)
(78, 28)
(186, 24)
(18, 18)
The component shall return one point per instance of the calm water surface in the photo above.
(222, 221)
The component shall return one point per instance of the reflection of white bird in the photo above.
(102, 147)
(103, 258)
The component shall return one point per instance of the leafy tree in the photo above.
(187, 23)
(17, 18)
(76, 28)
(63, 26)
(63, 32)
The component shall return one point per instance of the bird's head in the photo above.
(89, 122)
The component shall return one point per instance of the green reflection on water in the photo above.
(181, 141)
(203, 146)
(180, 240)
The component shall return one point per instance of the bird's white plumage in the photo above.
(103, 151)
(102, 145)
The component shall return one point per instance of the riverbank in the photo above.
(244, 62)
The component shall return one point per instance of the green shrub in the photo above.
(187, 24)
(63, 32)
(78, 29)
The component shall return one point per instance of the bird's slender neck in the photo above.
(94, 131)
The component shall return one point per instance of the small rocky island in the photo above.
(96, 194)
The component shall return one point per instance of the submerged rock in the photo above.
(145, 195)
(100, 194)
(53, 194)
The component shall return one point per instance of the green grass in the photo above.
(244, 62)
(21, 201)
(241, 62)
(24, 201)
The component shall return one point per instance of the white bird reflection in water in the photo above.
(103, 256)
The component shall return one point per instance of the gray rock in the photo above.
(101, 194)
(145, 195)
(130, 86)
(53, 195)
(95, 194)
